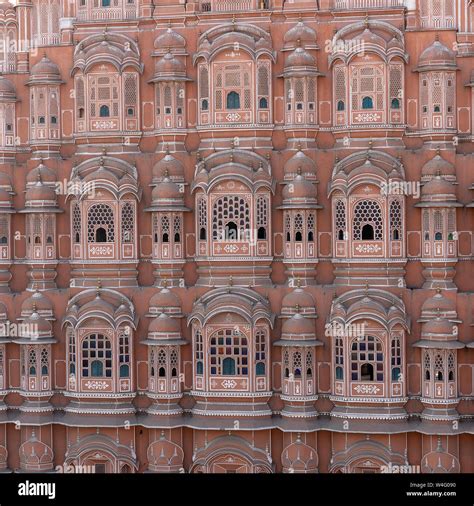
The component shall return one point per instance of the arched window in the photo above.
(395, 220)
(205, 105)
(104, 111)
(297, 364)
(298, 228)
(367, 103)
(231, 232)
(339, 355)
(96, 356)
(44, 361)
(263, 103)
(100, 235)
(199, 352)
(451, 366)
(32, 362)
(229, 212)
(233, 100)
(260, 352)
(427, 366)
(165, 229)
(439, 368)
(228, 343)
(105, 3)
(340, 105)
(395, 104)
(396, 359)
(367, 232)
(367, 361)
(100, 216)
(340, 224)
(367, 221)
(228, 366)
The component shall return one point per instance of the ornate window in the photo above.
(96, 356)
(340, 78)
(367, 359)
(367, 221)
(233, 90)
(8, 45)
(229, 353)
(339, 358)
(451, 367)
(368, 88)
(437, 13)
(199, 352)
(262, 217)
(45, 22)
(72, 352)
(202, 219)
(124, 355)
(427, 366)
(341, 227)
(439, 368)
(76, 223)
(128, 221)
(395, 220)
(100, 224)
(260, 352)
(437, 100)
(396, 360)
(231, 218)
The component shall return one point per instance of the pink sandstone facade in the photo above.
(236, 235)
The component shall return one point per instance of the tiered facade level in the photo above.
(236, 236)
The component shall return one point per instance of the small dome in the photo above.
(168, 165)
(300, 58)
(45, 68)
(164, 455)
(437, 55)
(37, 302)
(40, 192)
(298, 327)
(166, 190)
(439, 187)
(438, 302)
(165, 301)
(170, 39)
(299, 189)
(170, 65)
(300, 161)
(7, 88)
(45, 174)
(36, 327)
(164, 325)
(369, 37)
(438, 328)
(437, 166)
(300, 34)
(298, 298)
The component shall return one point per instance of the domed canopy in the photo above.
(300, 58)
(439, 304)
(35, 455)
(299, 457)
(165, 330)
(45, 71)
(438, 193)
(41, 196)
(300, 193)
(37, 302)
(41, 172)
(298, 331)
(35, 328)
(7, 90)
(165, 301)
(298, 301)
(167, 196)
(439, 333)
(168, 165)
(300, 162)
(437, 57)
(300, 34)
(440, 461)
(170, 68)
(438, 166)
(165, 456)
(170, 39)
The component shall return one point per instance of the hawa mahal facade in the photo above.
(236, 236)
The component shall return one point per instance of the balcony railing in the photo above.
(107, 13)
(367, 4)
(233, 5)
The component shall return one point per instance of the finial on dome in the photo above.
(438, 289)
(438, 151)
(164, 283)
(298, 146)
(233, 22)
(298, 171)
(366, 20)
(298, 43)
(297, 308)
(298, 283)
(231, 281)
(167, 149)
(366, 287)
(101, 161)
(437, 37)
(169, 23)
(99, 286)
(34, 307)
(166, 173)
